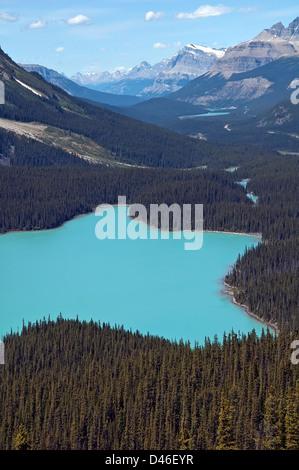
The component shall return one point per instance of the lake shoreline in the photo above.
(231, 292)
(246, 234)
(38, 229)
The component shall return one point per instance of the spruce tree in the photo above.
(292, 419)
(272, 423)
(225, 433)
(21, 440)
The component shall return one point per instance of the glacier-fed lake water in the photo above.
(151, 285)
(207, 114)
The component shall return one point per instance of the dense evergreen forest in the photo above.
(73, 385)
(50, 196)
(266, 279)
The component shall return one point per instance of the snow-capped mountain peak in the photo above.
(146, 80)
(207, 50)
(188, 63)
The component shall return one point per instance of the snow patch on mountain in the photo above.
(35, 92)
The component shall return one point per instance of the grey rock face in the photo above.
(244, 90)
(269, 45)
(187, 64)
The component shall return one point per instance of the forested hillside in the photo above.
(128, 140)
(72, 385)
(50, 196)
(267, 277)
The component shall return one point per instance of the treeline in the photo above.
(76, 385)
(43, 198)
(266, 278)
(23, 151)
(129, 140)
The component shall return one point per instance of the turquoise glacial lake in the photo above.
(148, 285)
(209, 114)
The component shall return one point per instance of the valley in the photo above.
(133, 344)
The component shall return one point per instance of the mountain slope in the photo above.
(187, 64)
(256, 90)
(269, 45)
(276, 129)
(157, 110)
(74, 89)
(29, 98)
(283, 117)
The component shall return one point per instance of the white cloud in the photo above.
(60, 49)
(159, 45)
(79, 19)
(151, 15)
(7, 17)
(37, 24)
(204, 11)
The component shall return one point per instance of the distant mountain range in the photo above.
(130, 82)
(253, 91)
(74, 89)
(269, 45)
(251, 77)
(44, 113)
(193, 61)
(152, 81)
(251, 82)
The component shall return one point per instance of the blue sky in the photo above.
(97, 35)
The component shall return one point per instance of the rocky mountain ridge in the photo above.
(269, 45)
(149, 81)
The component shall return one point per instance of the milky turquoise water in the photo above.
(212, 114)
(209, 114)
(250, 195)
(154, 286)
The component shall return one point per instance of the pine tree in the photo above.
(184, 436)
(292, 420)
(225, 433)
(21, 440)
(272, 423)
